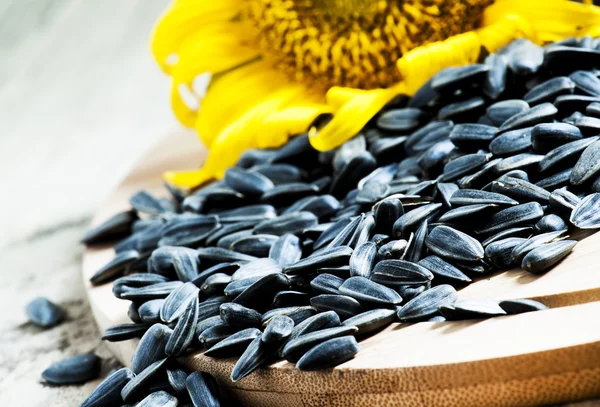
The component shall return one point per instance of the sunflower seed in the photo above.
(550, 223)
(151, 347)
(183, 333)
(586, 214)
(565, 154)
(593, 109)
(369, 292)
(290, 298)
(343, 305)
(537, 114)
(134, 387)
(144, 202)
(255, 268)
(500, 252)
(416, 244)
(256, 355)
(547, 255)
(215, 255)
(177, 302)
(371, 321)
(200, 390)
(520, 190)
(176, 378)
(499, 112)
(297, 314)
(334, 231)
(426, 304)
(410, 221)
(210, 307)
(400, 272)
(76, 369)
(260, 294)
(286, 194)
(295, 348)
(215, 334)
(290, 223)
(512, 217)
(117, 226)
(328, 257)
(386, 213)
(495, 80)
(400, 120)
(329, 354)
(208, 322)
(511, 142)
(150, 310)
(320, 321)
(547, 91)
(372, 192)
(512, 307)
(188, 232)
(251, 213)
(153, 291)
(255, 245)
(471, 309)
(392, 250)
(525, 58)
(215, 284)
(464, 165)
(247, 183)
(44, 313)
(456, 78)
(563, 201)
(587, 82)
(363, 259)
(158, 399)
(114, 267)
(467, 213)
(360, 166)
(452, 244)
(444, 270)
(547, 136)
(223, 268)
(109, 391)
(326, 283)
(278, 329)
(233, 345)
(124, 332)
(588, 166)
(558, 180)
(238, 316)
(572, 104)
(347, 151)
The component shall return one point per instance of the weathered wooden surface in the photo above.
(80, 101)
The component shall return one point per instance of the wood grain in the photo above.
(538, 358)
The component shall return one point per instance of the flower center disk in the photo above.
(353, 42)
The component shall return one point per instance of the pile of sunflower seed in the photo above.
(295, 254)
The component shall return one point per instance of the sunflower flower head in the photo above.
(277, 66)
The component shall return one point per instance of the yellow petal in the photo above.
(505, 30)
(182, 19)
(214, 49)
(421, 63)
(551, 19)
(352, 117)
(292, 120)
(234, 93)
(285, 111)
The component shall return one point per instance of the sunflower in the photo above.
(252, 73)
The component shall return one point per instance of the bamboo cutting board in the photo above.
(536, 358)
